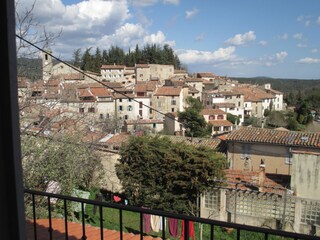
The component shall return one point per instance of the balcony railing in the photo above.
(239, 228)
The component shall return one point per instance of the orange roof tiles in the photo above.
(168, 91)
(278, 137)
(212, 111)
(219, 123)
(101, 92)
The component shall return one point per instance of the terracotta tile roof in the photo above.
(274, 183)
(212, 111)
(277, 137)
(74, 231)
(220, 123)
(224, 105)
(252, 93)
(140, 88)
(111, 84)
(168, 91)
(124, 96)
(113, 66)
(214, 143)
(85, 93)
(101, 92)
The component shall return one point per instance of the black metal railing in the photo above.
(265, 232)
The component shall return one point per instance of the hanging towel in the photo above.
(155, 223)
(147, 223)
(173, 227)
(160, 223)
(191, 230)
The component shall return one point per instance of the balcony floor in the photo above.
(75, 231)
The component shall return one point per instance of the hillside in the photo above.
(284, 85)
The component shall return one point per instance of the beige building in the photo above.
(218, 119)
(249, 147)
(169, 99)
(147, 72)
(113, 73)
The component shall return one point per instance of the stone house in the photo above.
(218, 119)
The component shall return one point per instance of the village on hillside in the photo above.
(272, 176)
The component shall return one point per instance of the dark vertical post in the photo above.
(186, 229)
(12, 221)
(101, 222)
(83, 222)
(65, 218)
(50, 220)
(141, 226)
(211, 232)
(163, 227)
(121, 227)
(34, 217)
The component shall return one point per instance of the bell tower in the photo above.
(46, 64)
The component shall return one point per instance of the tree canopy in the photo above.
(159, 174)
(195, 124)
(150, 53)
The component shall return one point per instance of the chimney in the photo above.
(262, 175)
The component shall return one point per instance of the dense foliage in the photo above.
(62, 159)
(159, 174)
(151, 54)
(194, 123)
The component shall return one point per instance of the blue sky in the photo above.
(248, 38)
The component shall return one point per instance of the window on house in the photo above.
(212, 200)
(140, 113)
(172, 109)
(245, 151)
(140, 105)
(239, 104)
(120, 100)
(129, 108)
(192, 94)
(220, 117)
(81, 110)
(129, 100)
(216, 129)
(120, 108)
(91, 110)
(125, 117)
(173, 102)
(154, 125)
(101, 116)
(212, 117)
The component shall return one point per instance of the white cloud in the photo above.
(315, 50)
(307, 23)
(263, 43)
(157, 38)
(301, 45)
(300, 18)
(298, 36)
(197, 57)
(174, 2)
(284, 36)
(142, 3)
(281, 56)
(200, 37)
(318, 20)
(309, 60)
(190, 14)
(241, 39)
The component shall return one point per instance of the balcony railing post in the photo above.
(211, 232)
(84, 237)
(141, 226)
(50, 220)
(163, 227)
(65, 218)
(34, 218)
(101, 222)
(186, 229)
(121, 228)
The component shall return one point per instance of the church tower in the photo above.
(46, 65)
